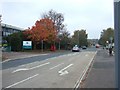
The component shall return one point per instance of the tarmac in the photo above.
(102, 72)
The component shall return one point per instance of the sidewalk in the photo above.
(6, 56)
(102, 73)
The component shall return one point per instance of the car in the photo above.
(84, 47)
(75, 49)
(4, 49)
(97, 45)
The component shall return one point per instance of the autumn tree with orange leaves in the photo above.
(43, 30)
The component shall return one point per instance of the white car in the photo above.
(75, 49)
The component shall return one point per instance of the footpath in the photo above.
(6, 56)
(102, 72)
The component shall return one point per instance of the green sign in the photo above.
(27, 44)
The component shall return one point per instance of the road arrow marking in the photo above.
(64, 71)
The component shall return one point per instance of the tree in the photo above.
(44, 30)
(80, 38)
(64, 39)
(57, 19)
(106, 34)
(15, 41)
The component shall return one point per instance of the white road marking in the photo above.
(6, 60)
(56, 66)
(39, 66)
(84, 72)
(21, 69)
(62, 72)
(29, 64)
(22, 81)
(24, 69)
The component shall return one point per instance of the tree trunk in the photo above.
(34, 45)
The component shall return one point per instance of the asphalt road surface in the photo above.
(61, 70)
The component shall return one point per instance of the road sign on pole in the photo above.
(117, 40)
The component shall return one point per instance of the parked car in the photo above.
(84, 47)
(75, 49)
(4, 49)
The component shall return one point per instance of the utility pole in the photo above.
(117, 41)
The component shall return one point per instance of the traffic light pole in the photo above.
(117, 41)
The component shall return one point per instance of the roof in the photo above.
(10, 26)
(116, 0)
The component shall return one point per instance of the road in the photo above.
(61, 70)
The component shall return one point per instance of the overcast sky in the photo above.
(92, 15)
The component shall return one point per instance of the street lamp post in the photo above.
(78, 38)
(117, 40)
(59, 43)
(0, 19)
(42, 45)
(0, 32)
(0, 53)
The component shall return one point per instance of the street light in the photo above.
(78, 38)
(42, 45)
(0, 19)
(0, 31)
(117, 41)
(59, 43)
(111, 39)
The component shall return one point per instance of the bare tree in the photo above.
(57, 18)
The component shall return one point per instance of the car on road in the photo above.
(75, 49)
(97, 46)
(84, 47)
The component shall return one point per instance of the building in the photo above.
(9, 29)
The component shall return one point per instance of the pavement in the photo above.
(102, 72)
(6, 56)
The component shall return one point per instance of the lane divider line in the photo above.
(56, 66)
(39, 66)
(22, 81)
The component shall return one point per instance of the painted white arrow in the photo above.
(63, 71)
